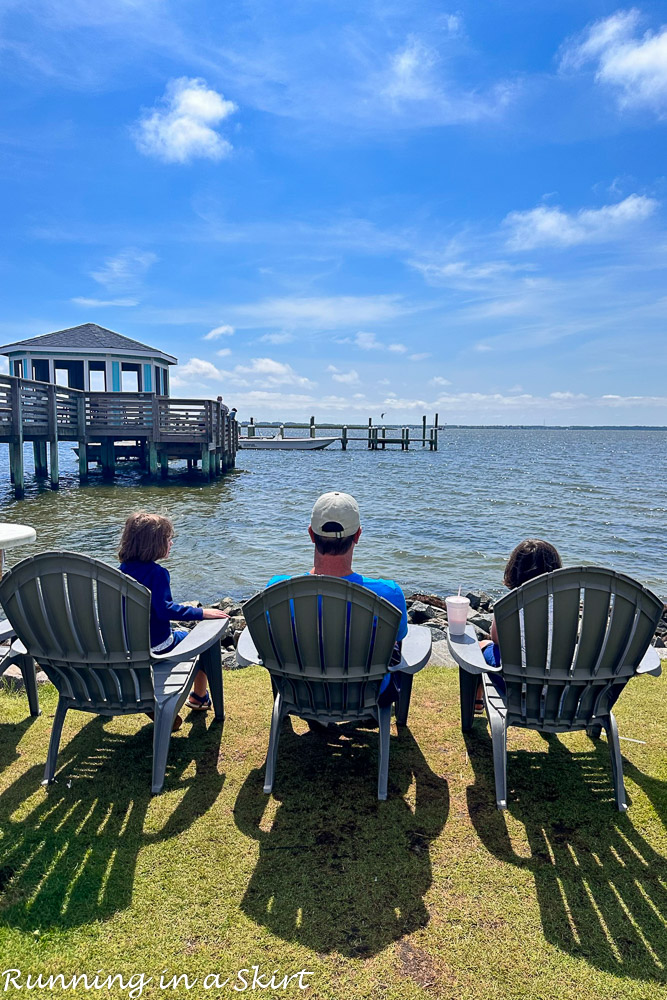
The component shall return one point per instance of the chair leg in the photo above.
(28, 670)
(211, 660)
(616, 763)
(165, 713)
(384, 719)
(403, 706)
(499, 741)
(54, 742)
(467, 689)
(593, 732)
(274, 739)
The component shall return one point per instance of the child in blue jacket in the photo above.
(145, 539)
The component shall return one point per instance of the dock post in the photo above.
(402, 438)
(424, 431)
(39, 453)
(370, 432)
(312, 427)
(53, 437)
(435, 433)
(81, 433)
(407, 438)
(152, 459)
(16, 444)
(430, 439)
(108, 457)
(251, 428)
(164, 462)
(343, 438)
(384, 435)
(205, 461)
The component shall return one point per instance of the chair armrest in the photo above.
(415, 650)
(246, 651)
(6, 631)
(650, 663)
(466, 651)
(203, 635)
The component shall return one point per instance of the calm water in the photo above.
(431, 520)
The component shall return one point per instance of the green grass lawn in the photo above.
(433, 893)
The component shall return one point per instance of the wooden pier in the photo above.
(374, 435)
(154, 429)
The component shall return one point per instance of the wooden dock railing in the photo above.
(161, 428)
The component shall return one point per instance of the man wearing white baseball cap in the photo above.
(335, 530)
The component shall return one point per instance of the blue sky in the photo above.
(346, 209)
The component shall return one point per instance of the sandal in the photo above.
(199, 703)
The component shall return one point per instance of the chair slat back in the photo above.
(86, 624)
(569, 642)
(326, 641)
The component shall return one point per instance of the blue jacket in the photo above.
(164, 609)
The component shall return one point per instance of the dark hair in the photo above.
(327, 546)
(145, 537)
(530, 558)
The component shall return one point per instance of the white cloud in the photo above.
(347, 378)
(634, 65)
(104, 303)
(277, 338)
(321, 313)
(183, 127)
(224, 352)
(125, 270)
(269, 371)
(439, 380)
(195, 370)
(544, 226)
(419, 357)
(367, 341)
(398, 348)
(219, 331)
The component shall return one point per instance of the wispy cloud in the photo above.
(545, 226)
(277, 338)
(104, 303)
(183, 127)
(219, 331)
(321, 313)
(269, 372)
(125, 270)
(634, 65)
(346, 378)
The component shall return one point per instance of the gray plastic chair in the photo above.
(87, 625)
(17, 654)
(327, 644)
(569, 643)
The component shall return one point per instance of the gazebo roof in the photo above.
(86, 337)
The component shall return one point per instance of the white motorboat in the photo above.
(285, 443)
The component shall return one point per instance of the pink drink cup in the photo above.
(457, 614)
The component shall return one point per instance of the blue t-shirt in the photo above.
(164, 609)
(383, 588)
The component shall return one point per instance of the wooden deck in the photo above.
(156, 427)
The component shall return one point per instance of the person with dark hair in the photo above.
(335, 530)
(145, 539)
(529, 559)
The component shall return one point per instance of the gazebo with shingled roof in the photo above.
(93, 358)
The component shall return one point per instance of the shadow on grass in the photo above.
(69, 851)
(337, 869)
(11, 734)
(600, 885)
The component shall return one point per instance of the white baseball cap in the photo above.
(335, 515)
